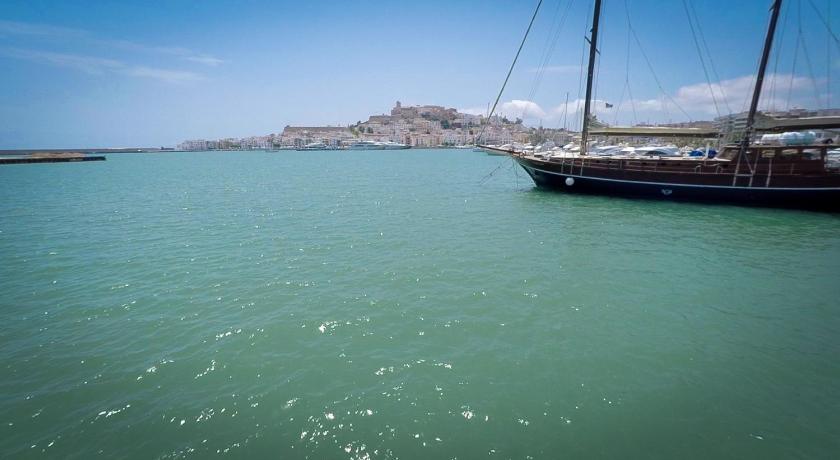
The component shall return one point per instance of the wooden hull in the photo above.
(817, 192)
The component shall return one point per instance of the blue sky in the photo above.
(150, 73)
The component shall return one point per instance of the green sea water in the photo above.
(403, 304)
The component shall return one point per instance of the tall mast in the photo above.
(565, 111)
(768, 44)
(593, 49)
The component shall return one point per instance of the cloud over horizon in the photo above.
(781, 91)
(98, 66)
(64, 34)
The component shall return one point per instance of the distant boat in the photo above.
(800, 176)
(315, 146)
(376, 145)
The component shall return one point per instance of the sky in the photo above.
(153, 73)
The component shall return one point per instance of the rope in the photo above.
(700, 55)
(776, 62)
(793, 68)
(490, 174)
(709, 55)
(825, 23)
(627, 68)
(510, 71)
(807, 57)
(653, 73)
(578, 117)
(548, 51)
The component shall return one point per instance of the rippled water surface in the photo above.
(393, 305)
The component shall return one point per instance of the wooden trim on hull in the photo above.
(822, 198)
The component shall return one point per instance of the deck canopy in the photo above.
(655, 131)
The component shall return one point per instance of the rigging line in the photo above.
(488, 176)
(632, 105)
(808, 58)
(512, 65)
(828, 57)
(653, 73)
(626, 77)
(620, 102)
(545, 53)
(578, 117)
(664, 105)
(627, 65)
(566, 112)
(700, 55)
(825, 23)
(551, 43)
(776, 62)
(793, 69)
(752, 87)
(549, 52)
(811, 73)
(709, 56)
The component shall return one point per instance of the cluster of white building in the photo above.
(246, 143)
(434, 125)
(417, 126)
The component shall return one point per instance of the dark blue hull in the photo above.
(820, 198)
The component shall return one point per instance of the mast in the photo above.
(593, 49)
(768, 44)
(566, 112)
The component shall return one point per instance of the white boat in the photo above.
(315, 146)
(376, 145)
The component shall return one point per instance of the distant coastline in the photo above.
(87, 151)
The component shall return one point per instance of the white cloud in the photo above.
(696, 99)
(98, 66)
(23, 28)
(171, 76)
(206, 60)
(732, 96)
(64, 33)
(87, 64)
(521, 109)
(474, 111)
(512, 109)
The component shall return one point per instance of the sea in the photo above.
(403, 305)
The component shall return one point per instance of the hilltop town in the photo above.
(423, 126)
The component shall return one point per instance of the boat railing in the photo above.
(758, 160)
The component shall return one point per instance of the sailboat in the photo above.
(778, 176)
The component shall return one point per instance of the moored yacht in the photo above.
(315, 146)
(376, 145)
(797, 176)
